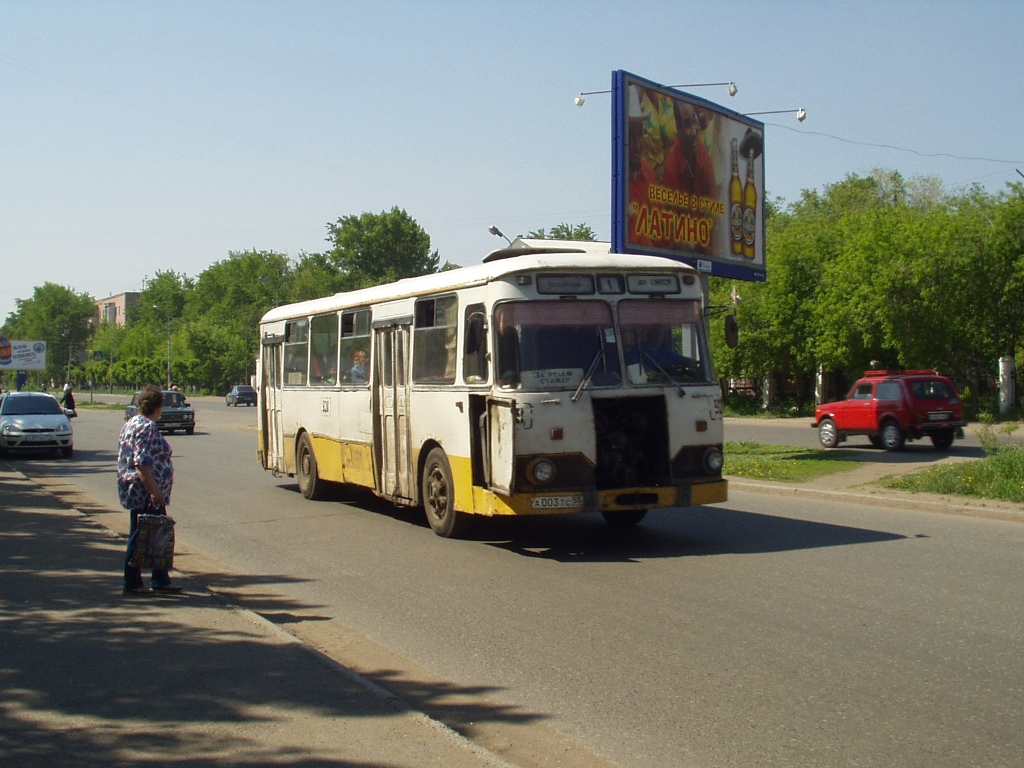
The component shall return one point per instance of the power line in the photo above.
(898, 148)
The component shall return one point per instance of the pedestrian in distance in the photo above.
(68, 398)
(145, 475)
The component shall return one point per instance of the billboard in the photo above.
(22, 355)
(687, 179)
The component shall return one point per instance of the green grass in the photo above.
(98, 406)
(784, 463)
(1000, 475)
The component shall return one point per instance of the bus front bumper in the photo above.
(617, 500)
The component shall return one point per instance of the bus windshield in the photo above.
(547, 345)
(663, 340)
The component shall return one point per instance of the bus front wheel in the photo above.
(310, 484)
(438, 496)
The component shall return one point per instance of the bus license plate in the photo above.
(557, 502)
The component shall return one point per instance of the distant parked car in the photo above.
(241, 394)
(892, 407)
(34, 421)
(177, 413)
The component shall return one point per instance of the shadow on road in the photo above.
(89, 677)
(696, 532)
(693, 532)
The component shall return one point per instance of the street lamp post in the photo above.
(164, 313)
(90, 366)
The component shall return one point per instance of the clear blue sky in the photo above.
(138, 137)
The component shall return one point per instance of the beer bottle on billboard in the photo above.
(749, 210)
(736, 202)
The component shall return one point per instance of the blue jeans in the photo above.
(133, 576)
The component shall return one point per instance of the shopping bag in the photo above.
(154, 542)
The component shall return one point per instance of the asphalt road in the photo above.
(769, 630)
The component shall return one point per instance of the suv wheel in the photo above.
(942, 440)
(828, 434)
(892, 436)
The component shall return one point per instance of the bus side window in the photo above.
(355, 348)
(296, 351)
(434, 342)
(508, 364)
(323, 342)
(474, 358)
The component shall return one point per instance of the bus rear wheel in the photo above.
(623, 518)
(438, 496)
(310, 484)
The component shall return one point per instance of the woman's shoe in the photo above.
(169, 589)
(136, 592)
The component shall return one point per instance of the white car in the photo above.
(34, 421)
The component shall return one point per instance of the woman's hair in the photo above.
(150, 400)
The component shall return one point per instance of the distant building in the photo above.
(113, 309)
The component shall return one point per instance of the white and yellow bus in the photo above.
(542, 381)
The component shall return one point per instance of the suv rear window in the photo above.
(933, 389)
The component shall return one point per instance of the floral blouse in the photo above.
(141, 443)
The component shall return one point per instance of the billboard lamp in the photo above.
(801, 114)
(581, 97)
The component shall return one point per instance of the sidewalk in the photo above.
(89, 677)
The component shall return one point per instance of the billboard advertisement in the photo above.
(22, 355)
(687, 179)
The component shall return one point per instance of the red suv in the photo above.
(891, 407)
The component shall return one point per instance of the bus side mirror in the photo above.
(732, 331)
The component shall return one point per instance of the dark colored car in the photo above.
(892, 407)
(177, 413)
(34, 421)
(241, 394)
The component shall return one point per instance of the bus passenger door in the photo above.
(391, 379)
(269, 416)
(499, 439)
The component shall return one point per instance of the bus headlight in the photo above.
(713, 460)
(541, 471)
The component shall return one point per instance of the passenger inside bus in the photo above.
(649, 350)
(449, 355)
(358, 374)
(657, 348)
(323, 371)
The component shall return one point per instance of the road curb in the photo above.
(950, 505)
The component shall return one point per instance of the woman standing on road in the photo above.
(144, 479)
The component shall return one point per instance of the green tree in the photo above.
(167, 290)
(219, 338)
(565, 231)
(161, 307)
(316, 275)
(107, 340)
(375, 248)
(63, 319)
